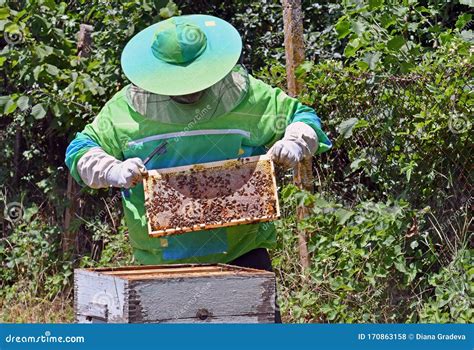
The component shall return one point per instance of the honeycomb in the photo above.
(210, 195)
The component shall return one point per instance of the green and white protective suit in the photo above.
(239, 116)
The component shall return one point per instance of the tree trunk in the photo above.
(295, 55)
(84, 42)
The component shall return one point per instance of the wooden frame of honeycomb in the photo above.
(210, 195)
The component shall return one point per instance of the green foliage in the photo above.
(386, 125)
(358, 256)
(48, 93)
(30, 256)
(367, 266)
(452, 300)
(395, 37)
(34, 265)
(390, 227)
(261, 25)
(116, 251)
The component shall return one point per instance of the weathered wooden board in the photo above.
(210, 195)
(174, 294)
(94, 291)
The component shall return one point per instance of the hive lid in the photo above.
(210, 195)
(177, 271)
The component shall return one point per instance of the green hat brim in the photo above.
(222, 52)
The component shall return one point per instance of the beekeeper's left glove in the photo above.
(300, 141)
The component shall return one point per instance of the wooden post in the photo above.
(303, 179)
(84, 42)
(294, 42)
(295, 55)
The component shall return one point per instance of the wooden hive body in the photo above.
(174, 294)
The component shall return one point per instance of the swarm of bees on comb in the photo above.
(210, 195)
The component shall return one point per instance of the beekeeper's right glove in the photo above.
(99, 170)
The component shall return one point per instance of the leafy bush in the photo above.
(31, 255)
(261, 25)
(359, 266)
(452, 300)
(396, 36)
(367, 265)
(390, 228)
(384, 126)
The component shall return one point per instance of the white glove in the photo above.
(99, 169)
(300, 141)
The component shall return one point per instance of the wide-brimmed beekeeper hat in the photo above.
(182, 54)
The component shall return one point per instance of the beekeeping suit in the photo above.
(235, 116)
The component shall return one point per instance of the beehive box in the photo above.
(210, 195)
(188, 293)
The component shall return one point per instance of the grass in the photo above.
(37, 310)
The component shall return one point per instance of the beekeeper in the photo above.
(187, 88)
